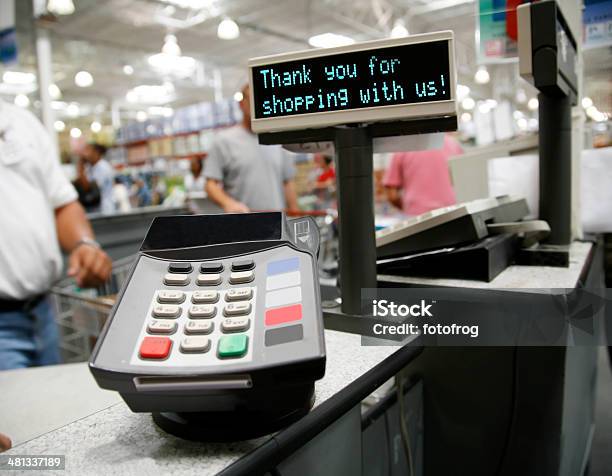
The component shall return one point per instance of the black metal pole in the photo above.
(555, 115)
(355, 193)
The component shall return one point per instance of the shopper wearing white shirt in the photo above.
(39, 214)
(93, 167)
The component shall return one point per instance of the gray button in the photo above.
(212, 279)
(239, 294)
(195, 344)
(202, 311)
(237, 309)
(166, 311)
(235, 324)
(170, 296)
(176, 279)
(205, 297)
(161, 327)
(282, 335)
(242, 277)
(199, 327)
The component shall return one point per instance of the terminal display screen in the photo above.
(405, 74)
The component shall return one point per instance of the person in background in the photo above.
(326, 177)
(121, 195)
(194, 180)
(417, 182)
(141, 193)
(39, 216)
(93, 168)
(242, 175)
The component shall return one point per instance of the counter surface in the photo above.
(115, 440)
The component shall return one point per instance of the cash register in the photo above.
(218, 330)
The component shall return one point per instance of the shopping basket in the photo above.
(81, 313)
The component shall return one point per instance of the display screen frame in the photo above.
(391, 112)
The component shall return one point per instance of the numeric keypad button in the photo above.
(235, 324)
(166, 311)
(237, 309)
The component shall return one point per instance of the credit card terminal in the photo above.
(218, 330)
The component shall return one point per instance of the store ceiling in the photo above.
(102, 36)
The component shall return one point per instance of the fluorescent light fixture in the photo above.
(468, 103)
(73, 109)
(60, 7)
(466, 117)
(141, 116)
(83, 79)
(463, 91)
(22, 100)
(532, 104)
(18, 78)
(228, 29)
(179, 65)
(160, 111)
(128, 70)
(151, 94)
(482, 75)
(55, 92)
(95, 127)
(492, 103)
(484, 107)
(587, 102)
(238, 96)
(522, 123)
(399, 29)
(59, 126)
(75, 133)
(329, 40)
(171, 46)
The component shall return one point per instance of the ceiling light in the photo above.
(128, 70)
(55, 92)
(22, 100)
(522, 123)
(329, 40)
(228, 29)
(466, 117)
(484, 107)
(492, 103)
(160, 111)
(151, 94)
(181, 66)
(238, 96)
(587, 102)
(18, 78)
(468, 104)
(171, 46)
(532, 104)
(399, 29)
(60, 7)
(60, 126)
(521, 96)
(73, 109)
(482, 75)
(517, 115)
(75, 133)
(83, 79)
(141, 116)
(462, 92)
(95, 127)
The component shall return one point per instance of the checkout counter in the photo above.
(491, 410)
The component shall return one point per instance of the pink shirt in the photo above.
(423, 177)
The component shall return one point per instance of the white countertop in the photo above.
(110, 439)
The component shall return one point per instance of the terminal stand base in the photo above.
(544, 255)
(234, 425)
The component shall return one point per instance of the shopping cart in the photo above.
(81, 313)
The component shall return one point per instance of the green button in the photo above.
(233, 346)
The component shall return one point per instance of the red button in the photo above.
(155, 347)
(283, 314)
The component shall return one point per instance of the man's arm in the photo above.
(290, 195)
(87, 263)
(394, 196)
(216, 193)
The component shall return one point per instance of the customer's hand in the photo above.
(89, 265)
(236, 207)
(5, 443)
